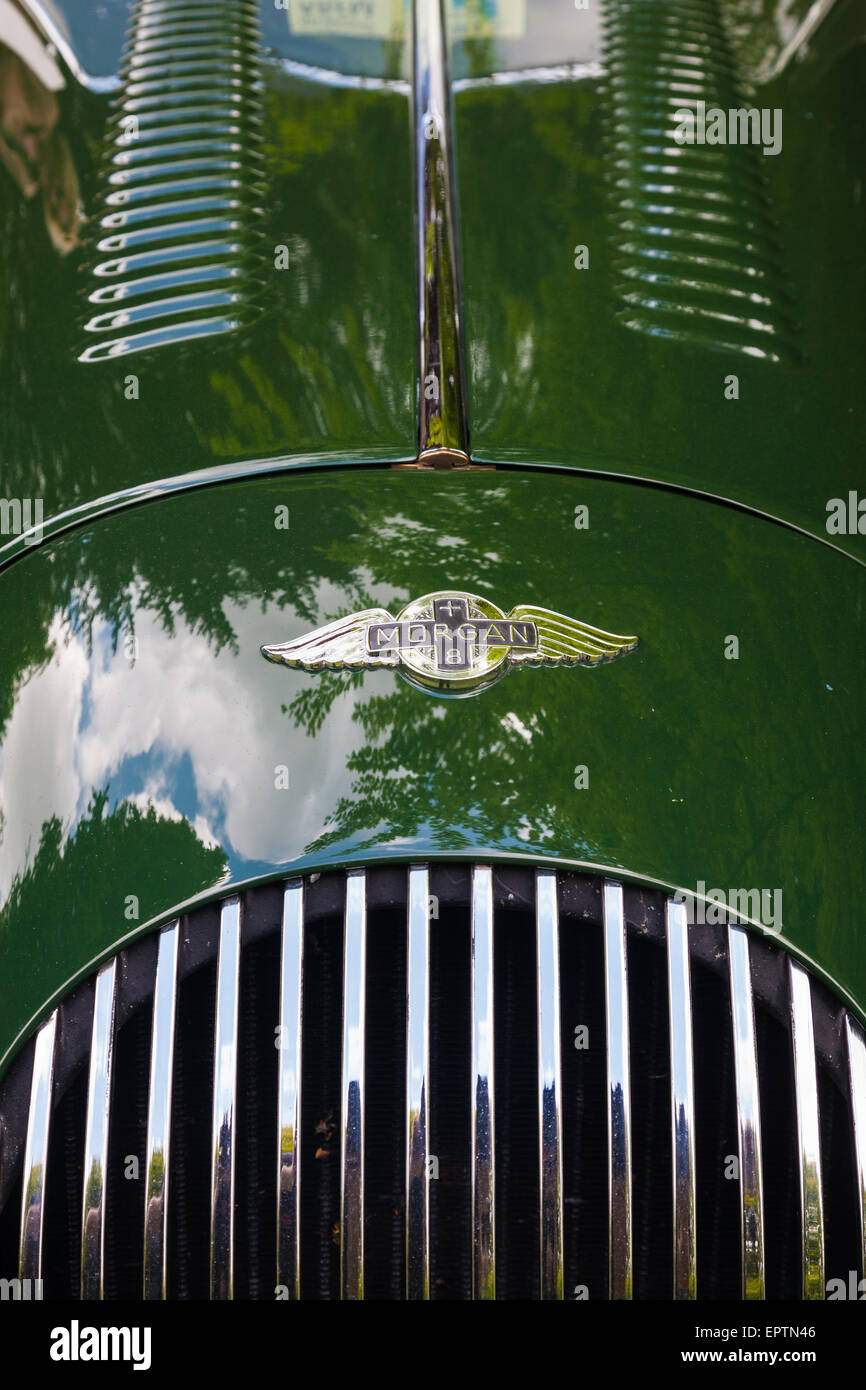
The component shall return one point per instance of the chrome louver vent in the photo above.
(177, 242)
(696, 255)
(444, 1081)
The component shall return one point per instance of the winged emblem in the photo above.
(450, 641)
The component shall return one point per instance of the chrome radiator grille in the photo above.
(444, 1081)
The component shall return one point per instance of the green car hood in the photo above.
(304, 211)
(150, 756)
(623, 366)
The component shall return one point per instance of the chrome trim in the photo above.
(181, 279)
(158, 1141)
(289, 1090)
(182, 332)
(619, 1095)
(682, 1101)
(215, 162)
(186, 6)
(152, 102)
(442, 422)
(52, 32)
(134, 217)
(808, 1132)
(222, 1220)
(418, 1085)
(748, 1115)
(165, 487)
(163, 154)
(857, 1074)
(561, 72)
(36, 1152)
(96, 1135)
(352, 1139)
(482, 1100)
(308, 72)
(123, 241)
(797, 45)
(143, 313)
(549, 1084)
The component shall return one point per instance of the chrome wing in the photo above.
(337, 645)
(564, 641)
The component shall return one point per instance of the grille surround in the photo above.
(417, 1142)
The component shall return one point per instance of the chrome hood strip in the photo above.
(443, 435)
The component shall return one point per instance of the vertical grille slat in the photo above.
(549, 1084)
(440, 1081)
(352, 1142)
(36, 1152)
(321, 1080)
(417, 1087)
(748, 1115)
(682, 1102)
(619, 1095)
(808, 1132)
(96, 1136)
(256, 1120)
(158, 1141)
(584, 1095)
(223, 1139)
(450, 1110)
(385, 1085)
(289, 1091)
(857, 1082)
(483, 1120)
